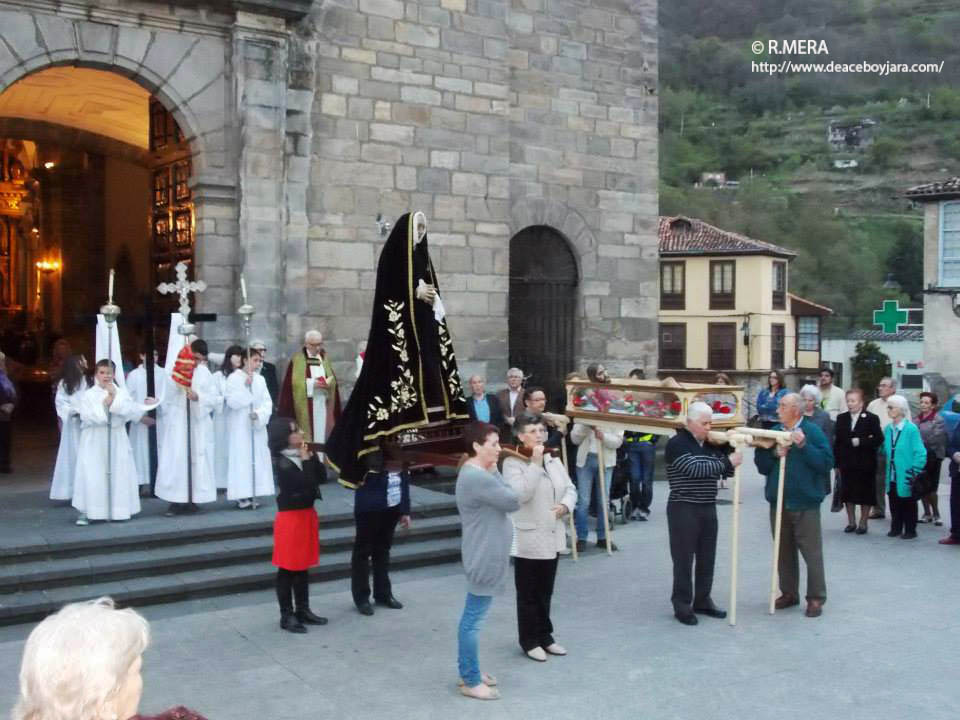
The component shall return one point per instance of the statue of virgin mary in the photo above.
(409, 376)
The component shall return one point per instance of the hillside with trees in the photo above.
(851, 226)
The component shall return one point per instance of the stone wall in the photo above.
(489, 117)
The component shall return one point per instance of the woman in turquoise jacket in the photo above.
(906, 457)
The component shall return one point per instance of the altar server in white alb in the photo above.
(140, 431)
(221, 445)
(189, 379)
(250, 470)
(105, 409)
(69, 390)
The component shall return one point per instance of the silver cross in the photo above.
(183, 287)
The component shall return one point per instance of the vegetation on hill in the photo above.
(852, 228)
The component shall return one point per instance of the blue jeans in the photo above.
(586, 476)
(641, 458)
(474, 610)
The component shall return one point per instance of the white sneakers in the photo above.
(556, 649)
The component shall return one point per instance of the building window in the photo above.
(722, 346)
(777, 343)
(722, 284)
(673, 346)
(808, 334)
(950, 244)
(672, 283)
(779, 287)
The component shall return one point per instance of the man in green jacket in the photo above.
(808, 459)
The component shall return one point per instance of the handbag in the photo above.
(920, 484)
(836, 505)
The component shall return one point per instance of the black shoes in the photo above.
(711, 611)
(862, 530)
(687, 618)
(290, 623)
(602, 544)
(307, 617)
(581, 546)
(893, 534)
(365, 608)
(908, 536)
(390, 602)
(850, 528)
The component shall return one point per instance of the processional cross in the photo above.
(183, 288)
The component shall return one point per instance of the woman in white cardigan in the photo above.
(546, 496)
(587, 439)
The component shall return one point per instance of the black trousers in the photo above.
(373, 541)
(693, 536)
(5, 428)
(534, 580)
(295, 583)
(903, 513)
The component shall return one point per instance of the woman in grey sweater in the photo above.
(484, 501)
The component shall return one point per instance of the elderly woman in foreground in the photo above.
(906, 458)
(83, 663)
(546, 495)
(484, 501)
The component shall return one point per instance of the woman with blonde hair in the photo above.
(83, 663)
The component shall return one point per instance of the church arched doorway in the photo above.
(94, 174)
(543, 305)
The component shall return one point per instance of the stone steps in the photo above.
(171, 566)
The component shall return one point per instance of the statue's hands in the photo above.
(427, 293)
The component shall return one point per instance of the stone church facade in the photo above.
(308, 119)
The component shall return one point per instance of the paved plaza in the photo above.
(884, 647)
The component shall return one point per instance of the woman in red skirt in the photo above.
(296, 542)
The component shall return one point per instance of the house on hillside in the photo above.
(941, 282)
(850, 135)
(725, 306)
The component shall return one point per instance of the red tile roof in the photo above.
(935, 190)
(690, 236)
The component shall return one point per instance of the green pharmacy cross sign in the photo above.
(890, 317)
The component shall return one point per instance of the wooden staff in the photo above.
(773, 438)
(602, 478)
(778, 524)
(737, 440)
(573, 527)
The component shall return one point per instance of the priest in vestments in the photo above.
(409, 376)
(310, 392)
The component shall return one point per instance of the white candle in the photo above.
(243, 289)
(110, 289)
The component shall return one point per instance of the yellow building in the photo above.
(725, 305)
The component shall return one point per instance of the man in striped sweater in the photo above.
(694, 469)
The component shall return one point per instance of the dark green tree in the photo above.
(870, 364)
(905, 261)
